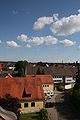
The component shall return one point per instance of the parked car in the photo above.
(51, 93)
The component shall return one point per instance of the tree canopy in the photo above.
(77, 85)
(39, 71)
(20, 66)
(11, 103)
(43, 115)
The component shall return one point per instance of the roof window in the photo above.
(25, 94)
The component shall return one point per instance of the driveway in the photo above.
(62, 108)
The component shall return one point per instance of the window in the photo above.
(47, 85)
(33, 104)
(68, 80)
(25, 104)
(26, 95)
(43, 85)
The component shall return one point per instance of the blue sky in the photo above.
(40, 30)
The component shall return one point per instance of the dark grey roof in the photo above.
(60, 70)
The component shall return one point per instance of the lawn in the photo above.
(29, 116)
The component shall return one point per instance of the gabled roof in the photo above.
(41, 79)
(5, 75)
(32, 84)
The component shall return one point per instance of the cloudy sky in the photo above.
(40, 30)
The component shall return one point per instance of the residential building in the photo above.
(29, 90)
(62, 74)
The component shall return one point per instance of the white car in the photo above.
(51, 93)
(47, 96)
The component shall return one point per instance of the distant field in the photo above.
(29, 116)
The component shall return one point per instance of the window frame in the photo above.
(25, 105)
(32, 104)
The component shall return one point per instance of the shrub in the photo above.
(43, 115)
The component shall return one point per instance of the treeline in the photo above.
(75, 92)
(20, 67)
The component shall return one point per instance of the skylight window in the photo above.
(25, 94)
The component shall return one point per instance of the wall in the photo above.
(69, 86)
(48, 87)
(58, 80)
(38, 105)
(69, 80)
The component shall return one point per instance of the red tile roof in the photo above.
(32, 84)
(44, 79)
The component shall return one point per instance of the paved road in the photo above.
(62, 109)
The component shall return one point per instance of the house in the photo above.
(63, 74)
(29, 90)
(5, 75)
(47, 82)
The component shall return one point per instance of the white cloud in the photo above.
(67, 42)
(79, 10)
(28, 45)
(42, 21)
(22, 37)
(12, 44)
(36, 41)
(50, 40)
(66, 25)
(0, 41)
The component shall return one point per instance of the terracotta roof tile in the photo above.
(32, 84)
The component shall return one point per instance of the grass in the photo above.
(29, 116)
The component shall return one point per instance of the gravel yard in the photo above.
(62, 109)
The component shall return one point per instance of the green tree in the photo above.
(38, 71)
(43, 115)
(11, 103)
(21, 72)
(43, 71)
(20, 67)
(75, 92)
(77, 85)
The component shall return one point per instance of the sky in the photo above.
(40, 30)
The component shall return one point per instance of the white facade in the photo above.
(11, 68)
(69, 86)
(58, 80)
(69, 80)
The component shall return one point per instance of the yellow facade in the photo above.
(48, 87)
(38, 105)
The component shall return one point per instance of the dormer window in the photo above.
(25, 94)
